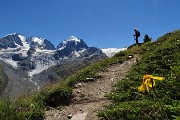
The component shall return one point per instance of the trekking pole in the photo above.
(134, 37)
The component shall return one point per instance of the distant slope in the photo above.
(3, 80)
(110, 52)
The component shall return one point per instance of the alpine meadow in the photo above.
(157, 69)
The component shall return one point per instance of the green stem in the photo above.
(159, 102)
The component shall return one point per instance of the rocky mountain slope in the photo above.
(29, 56)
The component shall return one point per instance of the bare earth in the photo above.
(90, 97)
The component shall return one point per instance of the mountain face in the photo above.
(18, 50)
(10, 41)
(70, 48)
(40, 43)
(26, 57)
(73, 43)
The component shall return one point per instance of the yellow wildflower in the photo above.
(148, 82)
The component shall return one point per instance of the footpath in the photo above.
(89, 97)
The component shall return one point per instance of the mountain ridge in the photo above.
(36, 40)
(33, 55)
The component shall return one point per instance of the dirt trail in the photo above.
(90, 97)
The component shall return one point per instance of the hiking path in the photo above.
(89, 97)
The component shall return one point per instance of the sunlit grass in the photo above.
(159, 58)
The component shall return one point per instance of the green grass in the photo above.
(159, 58)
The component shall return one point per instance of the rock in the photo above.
(78, 85)
(78, 91)
(79, 116)
(48, 108)
(17, 57)
(90, 79)
(80, 109)
(130, 56)
(69, 116)
(56, 115)
(112, 79)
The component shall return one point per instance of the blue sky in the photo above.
(100, 23)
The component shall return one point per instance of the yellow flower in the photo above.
(148, 82)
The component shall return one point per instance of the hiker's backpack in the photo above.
(138, 33)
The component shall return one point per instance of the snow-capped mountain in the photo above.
(72, 42)
(40, 43)
(11, 41)
(32, 55)
(35, 54)
(16, 50)
(71, 47)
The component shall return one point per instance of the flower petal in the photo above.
(151, 83)
(146, 85)
(142, 88)
(158, 78)
(146, 77)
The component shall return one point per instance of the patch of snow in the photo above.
(26, 46)
(73, 38)
(40, 66)
(77, 53)
(8, 50)
(11, 62)
(44, 51)
(11, 34)
(38, 40)
(62, 48)
(35, 83)
(81, 51)
(110, 52)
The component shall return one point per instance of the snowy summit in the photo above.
(71, 41)
(73, 38)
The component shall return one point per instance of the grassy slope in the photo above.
(159, 58)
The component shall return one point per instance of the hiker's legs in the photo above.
(136, 40)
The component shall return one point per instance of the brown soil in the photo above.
(89, 98)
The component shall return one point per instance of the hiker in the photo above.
(136, 35)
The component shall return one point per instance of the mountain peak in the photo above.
(37, 40)
(73, 43)
(72, 38)
(40, 43)
(12, 34)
